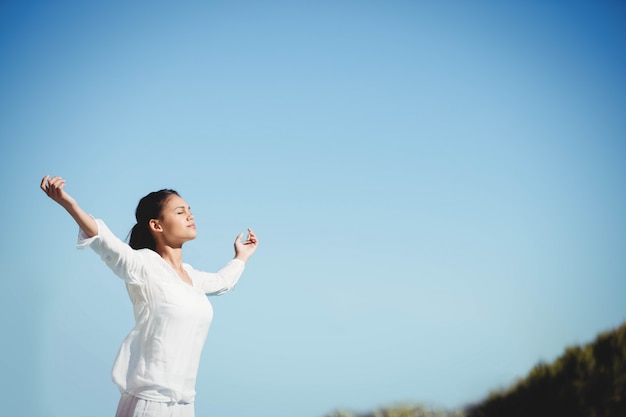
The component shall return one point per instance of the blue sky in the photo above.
(438, 189)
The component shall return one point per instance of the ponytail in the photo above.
(141, 237)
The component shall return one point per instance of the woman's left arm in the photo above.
(217, 283)
(226, 278)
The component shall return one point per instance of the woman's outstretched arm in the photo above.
(54, 188)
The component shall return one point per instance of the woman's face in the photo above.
(176, 224)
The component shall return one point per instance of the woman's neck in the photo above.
(173, 256)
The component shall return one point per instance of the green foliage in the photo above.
(587, 381)
(341, 414)
(402, 411)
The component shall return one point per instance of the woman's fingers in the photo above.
(53, 187)
(44, 184)
(251, 238)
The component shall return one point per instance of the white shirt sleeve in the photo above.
(217, 283)
(126, 262)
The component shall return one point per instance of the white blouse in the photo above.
(159, 358)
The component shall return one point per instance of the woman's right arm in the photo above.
(125, 262)
(54, 188)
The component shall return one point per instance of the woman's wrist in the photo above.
(241, 258)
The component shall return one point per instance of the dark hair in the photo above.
(149, 208)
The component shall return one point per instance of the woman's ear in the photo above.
(155, 225)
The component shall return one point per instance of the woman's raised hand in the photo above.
(245, 249)
(54, 188)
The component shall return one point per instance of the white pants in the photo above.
(131, 406)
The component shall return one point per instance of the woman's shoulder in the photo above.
(147, 254)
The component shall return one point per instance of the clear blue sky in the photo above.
(438, 188)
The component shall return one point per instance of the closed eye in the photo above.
(181, 210)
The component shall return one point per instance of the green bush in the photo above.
(587, 381)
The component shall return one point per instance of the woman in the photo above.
(157, 364)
